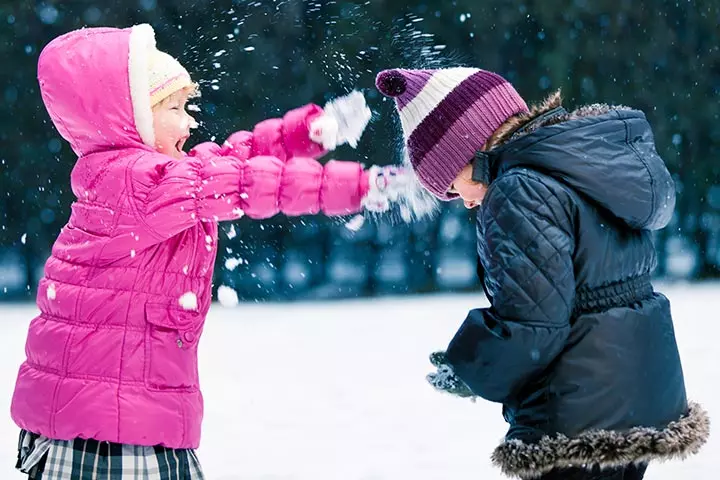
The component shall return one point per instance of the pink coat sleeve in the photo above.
(171, 195)
(282, 138)
(212, 184)
(299, 186)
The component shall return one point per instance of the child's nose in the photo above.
(192, 122)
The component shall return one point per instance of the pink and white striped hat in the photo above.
(447, 115)
(165, 76)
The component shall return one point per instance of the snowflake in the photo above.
(231, 233)
(232, 263)
(51, 292)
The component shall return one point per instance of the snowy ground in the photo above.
(336, 391)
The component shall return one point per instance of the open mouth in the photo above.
(180, 144)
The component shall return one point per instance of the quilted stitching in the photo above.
(526, 249)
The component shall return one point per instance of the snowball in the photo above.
(188, 301)
(51, 292)
(227, 296)
(23, 239)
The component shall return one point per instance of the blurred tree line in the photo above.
(257, 59)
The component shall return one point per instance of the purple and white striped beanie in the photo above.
(447, 115)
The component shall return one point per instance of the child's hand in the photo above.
(343, 121)
(445, 380)
(387, 184)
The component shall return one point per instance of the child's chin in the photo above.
(178, 154)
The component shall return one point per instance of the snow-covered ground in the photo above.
(336, 391)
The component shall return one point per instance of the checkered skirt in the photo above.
(46, 459)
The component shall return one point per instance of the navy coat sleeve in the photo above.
(526, 244)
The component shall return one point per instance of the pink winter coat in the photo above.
(113, 354)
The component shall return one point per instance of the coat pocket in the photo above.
(171, 337)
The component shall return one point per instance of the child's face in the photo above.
(470, 191)
(172, 124)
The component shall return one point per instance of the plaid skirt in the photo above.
(46, 459)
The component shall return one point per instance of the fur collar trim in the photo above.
(142, 41)
(514, 124)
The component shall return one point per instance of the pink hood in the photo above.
(110, 92)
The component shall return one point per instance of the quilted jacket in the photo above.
(577, 345)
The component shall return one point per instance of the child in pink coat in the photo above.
(110, 386)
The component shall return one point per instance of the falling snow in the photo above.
(232, 263)
(231, 233)
(51, 294)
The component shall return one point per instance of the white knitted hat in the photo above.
(165, 76)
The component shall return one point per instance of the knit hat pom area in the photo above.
(391, 83)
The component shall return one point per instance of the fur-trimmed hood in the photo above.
(605, 449)
(605, 153)
(94, 83)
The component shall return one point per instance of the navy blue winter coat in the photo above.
(577, 345)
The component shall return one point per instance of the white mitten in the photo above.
(399, 185)
(386, 185)
(343, 121)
